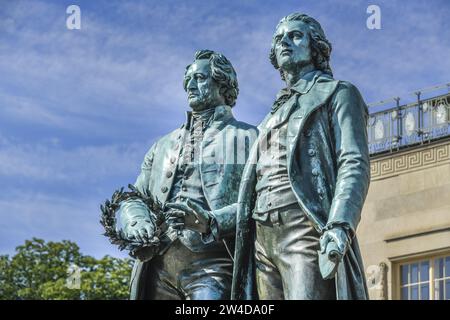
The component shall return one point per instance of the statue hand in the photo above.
(140, 229)
(174, 217)
(339, 236)
(195, 217)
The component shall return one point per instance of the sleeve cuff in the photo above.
(211, 236)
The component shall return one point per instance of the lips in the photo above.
(286, 51)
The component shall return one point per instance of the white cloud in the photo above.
(48, 162)
(103, 71)
(52, 218)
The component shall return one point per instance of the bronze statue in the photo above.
(306, 180)
(299, 203)
(188, 170)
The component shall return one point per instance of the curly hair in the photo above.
(320, 46)
(222, 72)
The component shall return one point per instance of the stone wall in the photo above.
(406, 213)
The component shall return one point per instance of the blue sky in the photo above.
(80, 108)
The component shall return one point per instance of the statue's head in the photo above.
(298, 42)
(210, 81)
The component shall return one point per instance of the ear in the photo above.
(223, 91)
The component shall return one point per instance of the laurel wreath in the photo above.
(109, 220)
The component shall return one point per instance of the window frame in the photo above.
(431, 258)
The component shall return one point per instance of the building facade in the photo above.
(404, 232)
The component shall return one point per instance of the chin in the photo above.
(200, 104)
(197, 106)
(285, 63)
(194, 103)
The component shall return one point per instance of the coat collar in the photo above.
(322, 87)
(302, 86)
(222, 113)
(305, 84)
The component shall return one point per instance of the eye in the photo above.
(297, 35)
(200, 76)
(277, 38)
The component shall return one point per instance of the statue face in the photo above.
(292, 46)
(202, 89)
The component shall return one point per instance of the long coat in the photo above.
(223, 154)
(329, 172)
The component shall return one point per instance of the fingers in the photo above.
(175, 217)
(178, 225)
(170, 205)
(337, 236)
(150, 232)
(183, 207)
(178, 206)
(340, 238)
(342, 243)
(143, 234)
(137, 235)
(199, 212)
(193, 206)
(324, 242)
(174, 222)
(175, 214)
(332, 235)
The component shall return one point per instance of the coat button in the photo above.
(308, 133)
(164, 189)
(315, 172)
(184, 188)
(269, 204)
(169, 174)
(213, 154)
(172, 160)
(320, 192)
(311, 152)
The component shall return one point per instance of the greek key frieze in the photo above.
(417, 159)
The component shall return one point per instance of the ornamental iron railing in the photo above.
(410, 124)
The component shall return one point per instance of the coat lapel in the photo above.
(282, 114)
(222, 116)
(317, 96)
(212, 150)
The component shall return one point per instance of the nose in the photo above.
(191, 84)
(285, 39)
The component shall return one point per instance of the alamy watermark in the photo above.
(73, 21)
(373, 22)
(73, 280)
(375, 274)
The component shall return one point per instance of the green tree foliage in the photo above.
(45, 270)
